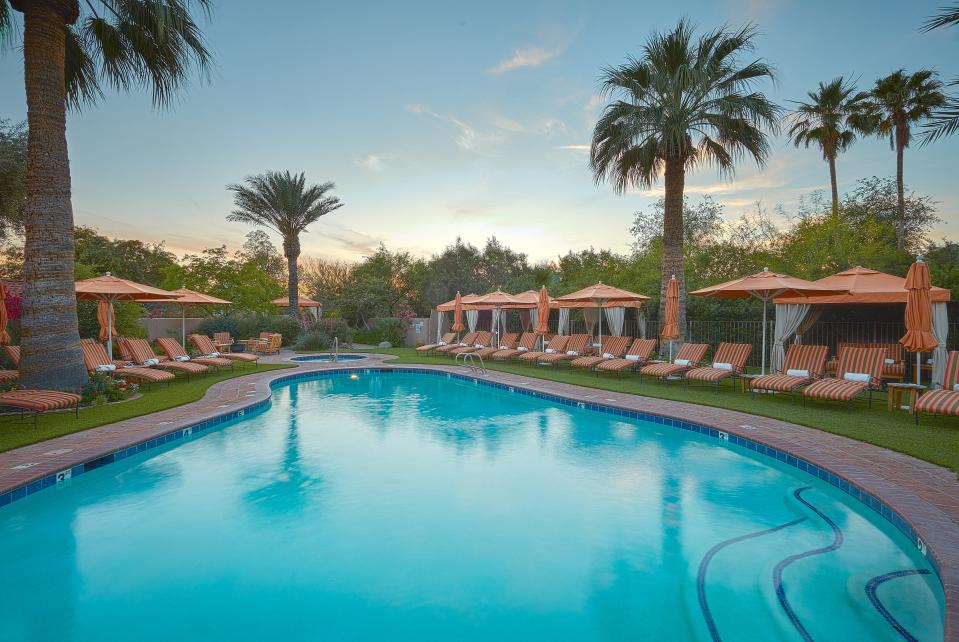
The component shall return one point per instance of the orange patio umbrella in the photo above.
(918, 337)
(457, 313)
(191, 297)
(497, 301)
(542, 313)
(106, 318)
(4, 335)
(670, 328)
(766, 286)
(110, 288)
(601, 295)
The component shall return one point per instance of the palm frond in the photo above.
(947, 17)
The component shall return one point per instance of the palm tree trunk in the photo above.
(835, 187)
(51, 356)
(901, 195)
(291, 250)
(673, 259)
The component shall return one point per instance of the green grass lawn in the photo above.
(935, 440)
(15, 433)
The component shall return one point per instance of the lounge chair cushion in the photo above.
(939, 402)
(38, 400)
(710, 374)
(795, 372)
(663, 370)
(780, 382)
(835, 389)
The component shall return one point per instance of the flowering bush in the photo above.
(102, 388)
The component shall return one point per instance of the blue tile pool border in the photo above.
(846, 486)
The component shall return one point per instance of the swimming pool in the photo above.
(420, 507)
(328, 357)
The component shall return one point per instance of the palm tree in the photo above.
(896, 103)
(683, 104)
(284, 204)
(944, 121)
(830, 120)
(69, 50)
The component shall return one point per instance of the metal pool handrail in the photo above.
(469, 360)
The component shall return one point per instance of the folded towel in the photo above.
(608, 355)
(550, 350)
(151, 362)
(632, 357)
(572, 353)
(795, 372)
(479, 345)
(106, 367)
(889, 362)
(442, 343)
(212, 355)
(182, 357)
(681, 362)
(504, 347)
(863, 377)
(956, 387)
(719, 365)
(521, 349)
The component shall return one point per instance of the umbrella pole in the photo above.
(918, 355)
(762, 366)
(183, 325)
(110, 331)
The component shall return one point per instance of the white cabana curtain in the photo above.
(641, 322)
(940, 330)
(563, 327)
(788, 318)
(811, 318)
(472, 316)
(440, 319)
(494, 322)
(591, 316)
(614, 319)
(533, 319)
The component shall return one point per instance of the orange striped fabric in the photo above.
(508, 340)
(173, 349)
(205, 345)
(483, 339)
(946, 400)
(141, 351)
(528, 341)
(449, 336)
(6, 376)
(467, 340)
(853, 360)
(578, 343)
(38, 400)
(641, 348)
(94, 354)
(556, 343)
(731, 353)
(894, 351)
(13, 352)
(810, 358)
(693, 352)
(615, 346)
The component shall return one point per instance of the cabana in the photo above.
(613, 301)
(795, 315)
(315, 307)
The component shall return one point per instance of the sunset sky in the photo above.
(470, 119)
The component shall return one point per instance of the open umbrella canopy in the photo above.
(113, 288)
(499, 299)
(303, 302)
(192, 297)
(464, 300)
(601, 294)
(766, 284)
(862, 285)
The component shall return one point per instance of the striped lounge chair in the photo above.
(612, 348)
(96, 360)
(637, 356)
(688, 357)
(140, 353)
(944, 401)
(506, 342)
(526, 343)
(39, 401)
(555, 345)
(729, 361)
(13, 353)
(482, 340)
(444, 341)
(175, 351)
(203, 343)
(894, 365)
(467, 340)
(803, 365)
(577, 346)
(859, 370)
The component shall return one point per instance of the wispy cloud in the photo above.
(576, 148)
(542, 126)
(467, 137)
(372, 162)
(526, 57)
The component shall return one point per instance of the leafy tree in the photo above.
(896, 103)
(284, 204)
(943, 261)
(683, 104)
(213, 271)
(830, 120)
(13, 178)
(879, 198)
(325, 280)
(457, 268)
(128, 259)
(70, 49)
(258, 249)
(384, 284)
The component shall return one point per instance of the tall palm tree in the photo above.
(284, 204)
(830, 120)
(896, 103)
(944, 121)
(684, 103)
(70, 50)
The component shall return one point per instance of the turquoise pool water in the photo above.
(411, 507)
(327, 357)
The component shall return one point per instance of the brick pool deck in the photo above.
(926, 495)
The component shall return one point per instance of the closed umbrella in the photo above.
(918, 337)
(542, 314)
(670, 328)
(107, 319)
(4, 335)
(457, 313)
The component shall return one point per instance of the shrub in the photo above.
(384, 329)
(102, 388)
(336, 328)
(245, 325)
(314, 341)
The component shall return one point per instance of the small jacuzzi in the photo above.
(329, 357)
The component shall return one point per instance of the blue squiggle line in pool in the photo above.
(781, 566)
(701, 578)
(873, 585)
